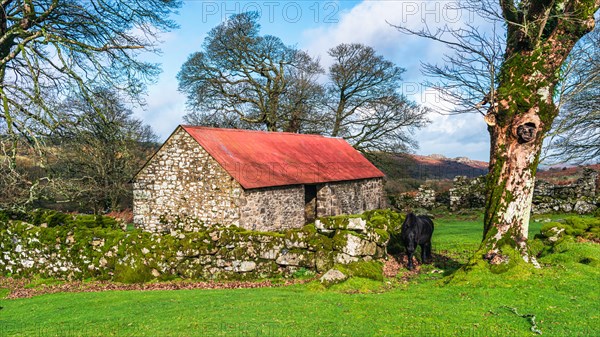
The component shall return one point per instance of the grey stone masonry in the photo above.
(182, 185)
(350, 197)
(273, 208)
(579, 197)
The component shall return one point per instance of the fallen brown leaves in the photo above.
(392, 266)
(18, 287)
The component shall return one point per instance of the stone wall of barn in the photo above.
(350, 197)
(183, 187)
(272, 208)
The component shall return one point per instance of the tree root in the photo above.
(530, 317)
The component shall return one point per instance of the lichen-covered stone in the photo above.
(356, 245)
(332, 276)
(343, 258)
(227, 253)
(425, 197)
(467, 193)
(357, 224)
(244, 266)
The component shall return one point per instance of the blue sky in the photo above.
(315, 26)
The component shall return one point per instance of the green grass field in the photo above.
(564, 296)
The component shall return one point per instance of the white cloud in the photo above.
(165, 107)
(455, 136)
(370, 22)
(367, 23)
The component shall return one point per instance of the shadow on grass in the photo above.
(443, 262)
(446, 263)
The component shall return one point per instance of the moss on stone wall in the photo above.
(73, 250)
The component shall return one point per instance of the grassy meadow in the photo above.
(561, 299)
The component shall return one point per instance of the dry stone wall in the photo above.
(467, 193)
(71, 252)
(183, 186)
(425, 197)
(579, 197)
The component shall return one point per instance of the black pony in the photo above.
(417, 230)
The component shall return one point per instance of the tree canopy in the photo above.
(50, 49)
(242, 79)
(241, 75)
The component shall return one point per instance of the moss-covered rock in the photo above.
(332, 276)
(587, 228)
(65, 246)
(371, 270)
(353, 244)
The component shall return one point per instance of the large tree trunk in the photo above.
(515, 150)
(522, 112)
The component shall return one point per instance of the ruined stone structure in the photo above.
(252, 179)
(425, 197)
(579, 197)
(467, 193)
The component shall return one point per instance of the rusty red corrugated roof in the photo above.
(264, 159)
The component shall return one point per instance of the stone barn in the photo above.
(265, 181)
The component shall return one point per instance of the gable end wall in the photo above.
(183, 186)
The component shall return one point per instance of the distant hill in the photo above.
(428, 167)
(564, 175)
(405, 172)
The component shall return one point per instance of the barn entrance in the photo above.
(310, 203)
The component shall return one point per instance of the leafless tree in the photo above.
(303, 99)
(575, 135)
(520, 106)
(363, 100)
(98, 149)
(19, 186)
(52, 48)
(241, 75)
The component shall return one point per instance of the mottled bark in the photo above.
(538, 42)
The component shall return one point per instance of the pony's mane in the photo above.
(411, 220)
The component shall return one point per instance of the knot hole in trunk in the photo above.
(526, 132)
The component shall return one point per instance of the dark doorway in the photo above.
(310, 203)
